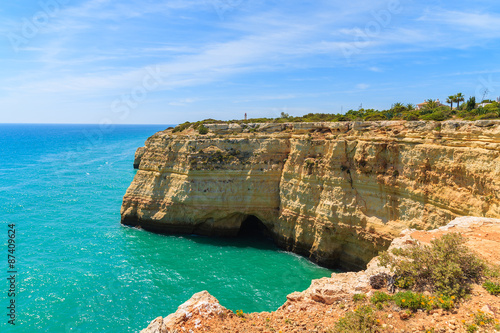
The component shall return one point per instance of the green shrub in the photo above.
(492, 272)
(202, 129)
(490, 115)
(362, 320)
(492, 107)
(471, 104)
(481, 320)
(492, 287)
(413, 301)
(436, 115)
(446, 266)
(380, 297)
(445, 302)
(470, 328)
(412, 115)
(358, 297)
(405, 282)
(182, 127)
(375, 117)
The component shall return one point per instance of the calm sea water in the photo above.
(79, 270)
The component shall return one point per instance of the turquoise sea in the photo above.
(78, 270)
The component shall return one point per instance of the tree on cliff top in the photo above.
(459, 98)
(450, 100)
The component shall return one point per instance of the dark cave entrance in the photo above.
(252, 227)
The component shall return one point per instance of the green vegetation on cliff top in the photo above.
(430, 110)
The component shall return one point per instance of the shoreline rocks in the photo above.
(328, 298)
(201, 306)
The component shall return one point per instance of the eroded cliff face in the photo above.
(335, 192)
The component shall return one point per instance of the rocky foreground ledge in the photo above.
(326, 300)
(337, 193)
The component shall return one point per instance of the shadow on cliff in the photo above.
(252, 233)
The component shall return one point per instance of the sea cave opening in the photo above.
(253, 228)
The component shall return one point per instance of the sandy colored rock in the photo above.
(201, 306)
(156, 326)
(337, 193)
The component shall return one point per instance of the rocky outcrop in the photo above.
(341, 286)
(337, 193)
(327, 299)
(200, 307)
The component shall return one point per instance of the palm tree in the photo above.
(410, 107)
(398, 107)
(450, 100)
(459, 98)
(431, 104)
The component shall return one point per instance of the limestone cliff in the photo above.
(335, 192)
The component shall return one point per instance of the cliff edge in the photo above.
(337, 193)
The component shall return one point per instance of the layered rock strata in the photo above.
(335, 192)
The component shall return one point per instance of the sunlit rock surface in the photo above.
(335, 192)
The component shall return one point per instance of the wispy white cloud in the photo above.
(480, 24)
(112, 10)
(183, 101)
(211, 63)
(104, 48)
(270, 98)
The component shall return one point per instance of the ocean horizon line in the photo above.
(94, 124)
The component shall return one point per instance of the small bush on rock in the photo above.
(182, 127)
(413, 301)
(202, 129)
(379, 281)
(362, 320)
(446, 267)
(358, 297)
(492, 284)
(380, 297)
(492, 287)
(481, 320)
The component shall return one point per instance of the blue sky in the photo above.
(145, 62)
